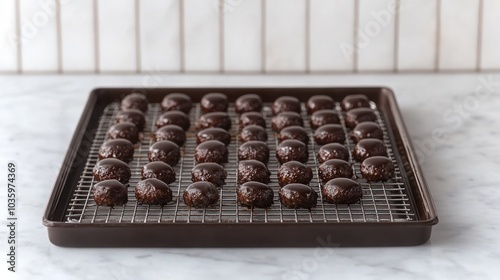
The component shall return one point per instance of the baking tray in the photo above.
(399, 212)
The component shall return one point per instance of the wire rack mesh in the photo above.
(381, 202)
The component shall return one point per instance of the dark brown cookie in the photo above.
(286, 119)
(294, 172)
(124, 130)
(359, 115)
(166, 151)
(177, 102)
(252, 118)
(341, 191)
(355, 101)
(213, 133)
(201, 194)
(153, 192)
(110, 193)
(111, 168)
(334, 168)
(248, 103)
(329, 133)
(173, 117)
(255, 194)
(171, 132)
(332, 151)
(211, 151)
(214, 102)
(210, 172)
(253, 133)
(294, 132)
(291, 149)
(158, 170)
(253, 170)
(297, 196)
(323, 117)
(377, 168)
(366, 130)
(368, 148)
(286, 104)
(256, 150)
(214, 119)
(134, 116)
(121, 149)
(135, 101)
(319, 102)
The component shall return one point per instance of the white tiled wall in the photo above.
(249, 36)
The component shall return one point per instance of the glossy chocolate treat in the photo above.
(368, 148)
(253, 170)
(377, 168)
(153, 192)
(134, 116)
(201, 195)
(110, 193)
(177, 102)
(135, 101)
(124, 130)
(329, 133)
(252, 118)
(214, 119)
(213, 133)
(359, 115)
(211, 151)
(210, 172)
(323, 117)
(286, 119)
(158, 170)
(171, 132)
(173, 117)
(294, 132)
(253, 133)
(255, 194)
(121, 149)
(366, 130)
(294, 172)
(334, 168)
(257, 150)
(355, 101)
(319, 102)
(214, 102)
(248, 103)
(166, 151)
(286, 104)
(341, 191)
(297, 196)
(111, 168)
(332, 151)
(291, 149)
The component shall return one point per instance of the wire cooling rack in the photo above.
(381, 202)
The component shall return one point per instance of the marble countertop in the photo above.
(452, 119)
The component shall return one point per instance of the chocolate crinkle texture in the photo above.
(135, 101)
(201, 194)
(368, 148)
(255, 194)
(211, 151)
(291, 149)
(210, 172)
(253, 133)
(214, 119)
(319, 102)
(121, 149)
(294, 132)
(297, 196)
(177, 102)
(329, 133)
(286, 104)
(286, 119)
(110, 193)
(158, 170)
(111, 168)
(166, 151)
(171, 132)
(294, 172)
(366, 130)
(124, 130)
(253, 170)
(214, 102)
(153, 192)
(341, 191)
(359, 115)
(256, 150)
(332, 151)
(377, 168)
(174, 117)
(213, 133)
(252, 118)
(248, 103)
(323, 117)
(134, 116)
(334, 168)
(355, 101)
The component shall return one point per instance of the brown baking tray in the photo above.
(399, 212)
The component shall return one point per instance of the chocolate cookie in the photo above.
(319, 102)
(173, 117)
(211, 151)
(153, 192)
(124, 130)
(294, 172)
(248, 103)
(255, 194)
(355, 101)
(171, 132)
(294, 132)
(359, 115)
(201, 194)
(121, 149)
(158, 170)
(297, 196)
(332, 151)
(214, 119)
(377, 168)
(111, 168)
(134, 116)
(323, 117)
(329, 133)
(253, 133)
(368, 148)
(286, 104)
(334, 168)
(256, 150)
(341, 191)
(366, 130)
(290, 149)
(166, 151)
(110, 193)
(210, 172)
(252, 118)
(135, 101)
(213, 133)
(286, 119)
(177, 102)
(214, 102)
(253, 170)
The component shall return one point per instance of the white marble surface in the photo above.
(38, 115)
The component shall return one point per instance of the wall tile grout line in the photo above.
(221, 37)
(59, 38)
(182, 52)
(137, 16)
(308, 36)
(479, 36)
(355, 38)
(396, 36)
(263, 35)
(96, 37)
(438, 34)
(18, 40)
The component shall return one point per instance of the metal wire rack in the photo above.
(382, 202)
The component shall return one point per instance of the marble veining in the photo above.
(38, 115)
